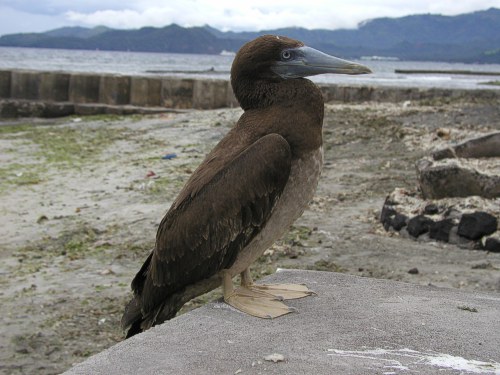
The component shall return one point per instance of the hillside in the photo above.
(471, 37)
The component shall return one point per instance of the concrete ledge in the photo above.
(10, 108)
(187, 93)
(354, 326)
(400, 94)
(84, 88)
(210, 93)
(25, 85)
(177, 93)
(145, 92)
(114, 90)
(54, 86)
(5, 79)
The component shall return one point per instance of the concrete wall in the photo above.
(84, 88)
(109, 89)
(401, 94)
(176, 93)
(5, 79)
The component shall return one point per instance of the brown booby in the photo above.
(246, 193)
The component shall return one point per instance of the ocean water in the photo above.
(218, 66)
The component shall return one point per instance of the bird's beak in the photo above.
(306, 61)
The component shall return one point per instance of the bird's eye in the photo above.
(286, 55)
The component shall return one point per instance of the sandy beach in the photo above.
(81, 199)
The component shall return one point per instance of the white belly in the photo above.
(300, 189)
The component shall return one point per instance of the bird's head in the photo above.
(272, 57)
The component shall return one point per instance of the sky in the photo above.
(42, 15)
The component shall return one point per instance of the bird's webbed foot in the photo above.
(284, 291)
(281, 291)
(253, 302)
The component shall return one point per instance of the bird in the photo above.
(247, 191)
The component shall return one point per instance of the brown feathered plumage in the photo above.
(231, 196)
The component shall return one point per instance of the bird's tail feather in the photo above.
(132, 314)
(136, 322)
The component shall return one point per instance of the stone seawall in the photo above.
(52, 94)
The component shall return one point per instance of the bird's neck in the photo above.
(260, 94)
(292, 108)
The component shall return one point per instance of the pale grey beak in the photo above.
(306, 61)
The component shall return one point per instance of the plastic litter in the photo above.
(169, 156)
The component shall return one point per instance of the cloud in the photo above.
(265, 14)
(222, 14)
(227, 15)
(59, 7)
(14, 21)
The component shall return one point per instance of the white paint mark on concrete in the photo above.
(404, 359)
(462, 364)
(275, 357)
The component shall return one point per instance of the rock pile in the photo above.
(458, 199)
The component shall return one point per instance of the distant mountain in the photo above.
(77, 32)
(471, 37)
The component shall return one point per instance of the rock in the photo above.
(445, 153)
(409, 214)
(481, 147)
(413, 271)
(483, 266)
(455, 178)
(387, 215)
(443, 133)
(431, 209)
(440, 230)
(476, 225)
(418, 225)
(492, 244)
(42, 219)
(392, 219)
(399, 221)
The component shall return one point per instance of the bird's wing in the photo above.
(204, 233)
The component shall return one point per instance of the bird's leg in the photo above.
(246, 278)
(254, 302)
(281, 291)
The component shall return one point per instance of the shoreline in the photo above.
(446, 71)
